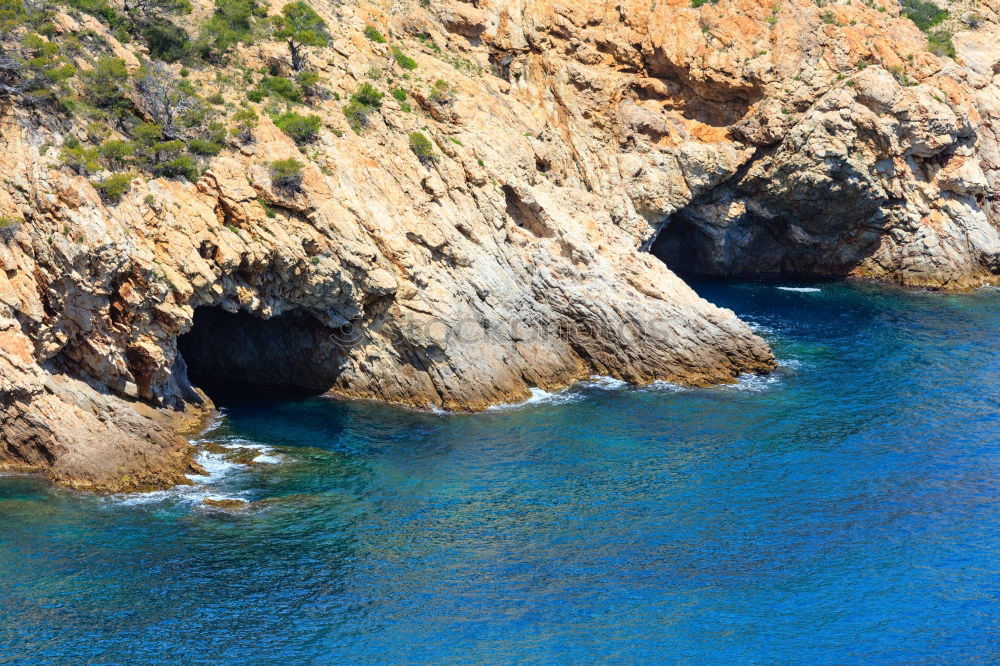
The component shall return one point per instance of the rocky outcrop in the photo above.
(573, 135)
(872, 157)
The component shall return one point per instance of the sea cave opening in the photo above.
(236, 356)
(713, 238)
(684, 246)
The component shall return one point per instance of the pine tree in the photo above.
(302, 27)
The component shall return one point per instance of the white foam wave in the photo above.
(266, 454)
(209, 485)
(214, 424)
(237, 443)
(804, 290)
(605, 383)
(215, 465)
(757, 327)
(540, 397)
(662, 385)
(179, 495)
(752, 383)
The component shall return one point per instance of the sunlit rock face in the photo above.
(755, 138)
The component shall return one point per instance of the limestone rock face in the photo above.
(739, 136)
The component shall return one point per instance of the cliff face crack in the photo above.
(289, 352)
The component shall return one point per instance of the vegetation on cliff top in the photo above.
(927, 16)
(159, 119)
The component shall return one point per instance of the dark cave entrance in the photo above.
(683, 246)
(727, 234)
(691, 242)
(236, 357)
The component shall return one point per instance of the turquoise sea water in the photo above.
(843, 510)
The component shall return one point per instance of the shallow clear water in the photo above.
(845, 509)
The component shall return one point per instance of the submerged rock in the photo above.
(226, 504)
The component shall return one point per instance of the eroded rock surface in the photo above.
(748, 138)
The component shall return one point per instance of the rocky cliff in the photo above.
(566, 141)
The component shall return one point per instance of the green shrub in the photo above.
(923, 13)
(256, 95)
(441, 92)
(115, 186)
(102, 10)
(277, 86)
(307, 80)
(147, 134)
(374, 35)
(183, 165)
(368, 95)
(166, 41)
(365, 101)
(116, 152)
(245, 121)
(287, 174)
(422, 148)
(143, 12)
(216, 132)
(37, 64)
(698, 3)
(357, 115)
(300, 26)
(939, 43)
(302, 129)
(267, 209)
(233, 22)
(8, 222)
(203, 147)
(403, 60)
(400, 95)
(105, 85)
(80, 159)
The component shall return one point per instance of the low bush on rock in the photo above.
(245, 121)
(115, 186)
(422, 148)
(403, 60)
(442, 93)
(302, 129)
(287, 174)
(363, 103)
(374, 35)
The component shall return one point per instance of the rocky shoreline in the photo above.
(573, 150)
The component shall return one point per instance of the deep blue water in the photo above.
(844, 510)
